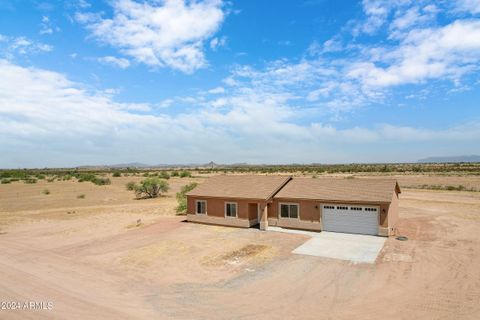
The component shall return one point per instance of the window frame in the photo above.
(288, 204)
(236, 209)
(196, 207)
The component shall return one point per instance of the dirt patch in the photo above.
(145, 255)
(250, 253)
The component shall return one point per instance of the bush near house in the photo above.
(182, 198)
(150, 188)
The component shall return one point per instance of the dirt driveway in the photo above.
(99, 266)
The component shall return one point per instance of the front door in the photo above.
(253, 211)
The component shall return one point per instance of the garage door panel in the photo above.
(350, 219)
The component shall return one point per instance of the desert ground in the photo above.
(92, 259)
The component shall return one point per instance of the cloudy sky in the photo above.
(172, 81)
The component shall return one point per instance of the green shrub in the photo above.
(174, 174)
(46, 191)
(30, 180)
(86, 177)
(93, 179)
(101, 181)
(164, 175)
(130, 186)
(81, 196)
(5, 181)
(185, 174)
(182, 198)
(116, 174)
(151, 188)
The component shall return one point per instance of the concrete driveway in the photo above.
(352, 247)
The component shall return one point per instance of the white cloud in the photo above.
(15, 46)
(377, 15)
(48, 120)
(83, 4)
(443, 53)
(472, 6)
(170, 33)
(216, 90)
(166, 103)
(46, 26)
(118, 62)
(217, 43)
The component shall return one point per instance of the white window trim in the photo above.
(196, 207)
(225, 209)
(288, 203)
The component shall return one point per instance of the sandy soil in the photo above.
(96, 263)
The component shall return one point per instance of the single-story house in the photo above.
(360, 205)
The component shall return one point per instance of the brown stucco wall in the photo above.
(383, 215)
(308, 213)
(393, 212)
(216, 207)
(309, 209)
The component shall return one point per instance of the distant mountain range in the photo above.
(471, 158)
(211, 164)
(140, 165)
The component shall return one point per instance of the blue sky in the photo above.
(103, 82)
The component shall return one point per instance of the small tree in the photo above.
(182, 198)
(151, 188)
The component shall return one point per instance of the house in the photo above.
(360, 205)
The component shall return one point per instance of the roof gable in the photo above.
(345, 190)
(240, 186)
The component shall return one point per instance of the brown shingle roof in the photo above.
(345, 190)
(240, 186)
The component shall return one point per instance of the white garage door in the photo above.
(350, 218)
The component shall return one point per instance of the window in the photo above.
(288, 210)
(356, 208)
(231, 209)
(201, 207)
(371, 209)
(328, 207)
(342, 208)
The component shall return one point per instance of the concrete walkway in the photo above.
(352, 247)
